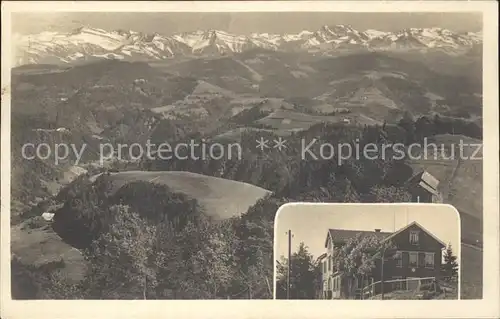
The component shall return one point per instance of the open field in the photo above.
(220, 198)
(39, 245)
(471, 273)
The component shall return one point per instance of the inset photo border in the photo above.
(367, 251)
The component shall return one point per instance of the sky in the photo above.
(309, 223)
(241, 23)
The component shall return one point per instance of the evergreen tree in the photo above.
(449, 268)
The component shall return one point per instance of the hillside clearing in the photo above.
(41, 245)
(461, 186)
(220, 198)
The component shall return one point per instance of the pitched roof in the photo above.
(429, 179)
(419, 226)
(425, 180)
(340, 236)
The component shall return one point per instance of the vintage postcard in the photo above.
(148, 149)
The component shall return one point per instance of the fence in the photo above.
(409, 284)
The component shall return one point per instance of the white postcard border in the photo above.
(485, 308)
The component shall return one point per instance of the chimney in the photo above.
(377, 230)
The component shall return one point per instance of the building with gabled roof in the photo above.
(417, 254)
(423, 188)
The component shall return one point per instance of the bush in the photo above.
(36, 282)
(429, 295)
(428, 287)
(35, 222)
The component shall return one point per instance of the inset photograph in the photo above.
(367, 251)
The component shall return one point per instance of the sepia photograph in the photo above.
(153, 146)
(335, 251)
(149, 163)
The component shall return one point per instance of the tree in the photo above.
(214, 262)
(254, 253)
(121, 259)
(424, 127)
(357, 259)
(449, 268)
(408, 124)
(304, 275)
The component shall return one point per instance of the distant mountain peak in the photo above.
(86, 42)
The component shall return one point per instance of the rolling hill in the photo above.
(96, 89)
(220, 198)
(343, 81)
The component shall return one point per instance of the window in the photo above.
(329, 263)
(399, 259)
(414, 237)
(413, 259)
(429, 260)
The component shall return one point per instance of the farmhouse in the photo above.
(417, 253)
(424, 188)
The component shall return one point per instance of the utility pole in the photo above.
(394, 222)
(289, 264)
(406, 212)
(382, 275)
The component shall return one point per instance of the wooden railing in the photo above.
(408, 284)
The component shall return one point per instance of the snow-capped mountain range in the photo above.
(91, 43)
